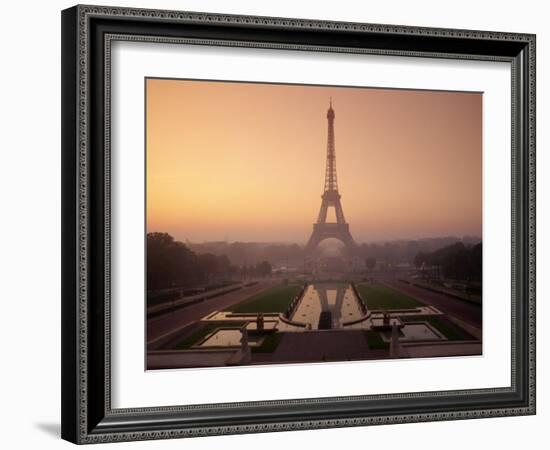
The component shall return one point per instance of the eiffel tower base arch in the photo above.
(322, 231)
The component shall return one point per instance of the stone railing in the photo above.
(191, 300)
(362, 304)
(282, 318)
(294, 303)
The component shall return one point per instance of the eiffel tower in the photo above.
(331, 199)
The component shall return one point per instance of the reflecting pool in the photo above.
(229, 337)
(419, 332)
(412, 332)
(327, 306)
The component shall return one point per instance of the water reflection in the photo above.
(327, 306)
(418, 332)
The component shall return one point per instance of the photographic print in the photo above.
(295, 223)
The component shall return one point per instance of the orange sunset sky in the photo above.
(245, 161)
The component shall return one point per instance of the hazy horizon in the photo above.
(230, 241)
(245, 162)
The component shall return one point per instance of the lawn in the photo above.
(269, 344)
(375, 341)
(275, 299)
(445, 327)
(377, 296)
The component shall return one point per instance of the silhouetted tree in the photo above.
(457, 261)
(263, 269)
(419, 259)
(370, 263)
(166, 259)
(172, 264)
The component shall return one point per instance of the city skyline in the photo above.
(245, 162)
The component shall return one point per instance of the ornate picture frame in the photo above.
(87, 35)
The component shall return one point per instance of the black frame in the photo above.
(87, 31)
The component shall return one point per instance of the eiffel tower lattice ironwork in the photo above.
(331, 199)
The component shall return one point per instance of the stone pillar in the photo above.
(245, 349)
(394, 344)
(244, 338)
(260, 322)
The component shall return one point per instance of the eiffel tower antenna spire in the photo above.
(331, 179)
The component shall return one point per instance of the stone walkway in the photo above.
(330, 345)
(187, 359)
(428, 350)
